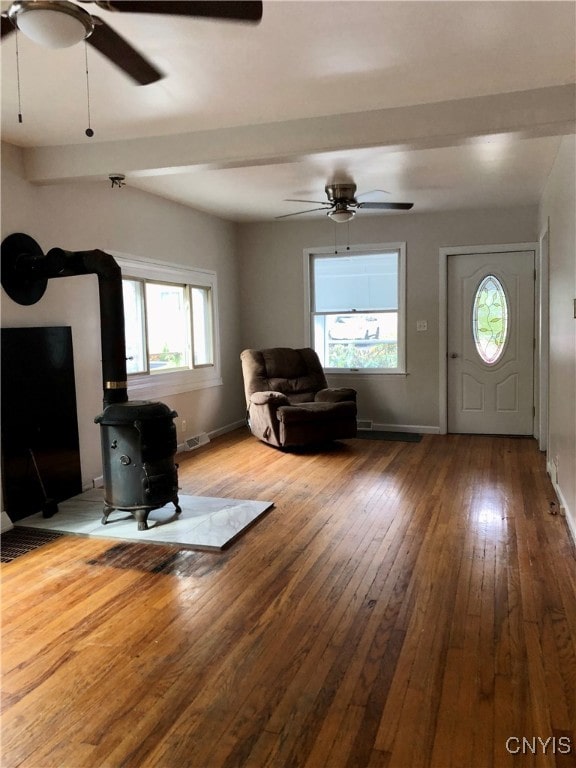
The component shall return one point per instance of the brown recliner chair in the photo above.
(289, 402)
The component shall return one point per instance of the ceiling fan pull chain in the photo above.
(89, 132)
(18, 78)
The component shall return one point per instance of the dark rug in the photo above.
(404, 437)
(19, 541)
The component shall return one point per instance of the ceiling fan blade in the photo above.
(293, 200)
(7, 26)
(249, 10)
(387, 206)
(299, 213)
(372, 192)
(121, 53)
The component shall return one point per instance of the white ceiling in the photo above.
(404, 97)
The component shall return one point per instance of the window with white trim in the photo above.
(171, 330)
(357, 308)
(168, 326)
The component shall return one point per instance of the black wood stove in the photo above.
(138, 438)
(138, 447)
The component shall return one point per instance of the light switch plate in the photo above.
(421, 325)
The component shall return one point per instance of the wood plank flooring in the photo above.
(403, 605)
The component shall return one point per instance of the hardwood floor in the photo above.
(403, 605)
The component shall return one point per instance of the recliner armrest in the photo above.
(263, 415)
(269, 397)
(335, 395)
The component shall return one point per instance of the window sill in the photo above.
(174, 383)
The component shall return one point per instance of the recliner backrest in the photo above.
(297, 373)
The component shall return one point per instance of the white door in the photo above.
(491, 343)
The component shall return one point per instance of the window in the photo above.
(490, 319)
(134, 325)
(169, 312)
(168, 326)
(202, 326)
(357, 308)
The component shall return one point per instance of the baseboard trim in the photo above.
(182, 447)
(227, 428)
(416, 428)
(571, 526)
(568, 513)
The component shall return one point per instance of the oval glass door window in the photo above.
(490, 319)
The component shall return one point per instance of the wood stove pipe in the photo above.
(112, 331)
(25, 272)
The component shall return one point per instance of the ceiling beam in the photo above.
(521, 114)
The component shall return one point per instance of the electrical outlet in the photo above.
(183, 425)
(421, 325)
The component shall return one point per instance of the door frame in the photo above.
(444, 255)
(543, 334)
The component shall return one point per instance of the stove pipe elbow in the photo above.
(25, 274)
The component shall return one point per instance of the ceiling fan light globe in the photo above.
(340, 216)
(61, 26)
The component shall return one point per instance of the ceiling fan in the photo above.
(342, 203)
(62, 23)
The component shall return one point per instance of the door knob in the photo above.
(454, 355)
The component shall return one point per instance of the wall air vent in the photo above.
(196, 441)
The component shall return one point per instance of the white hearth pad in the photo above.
(205, 522)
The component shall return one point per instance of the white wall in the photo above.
(272, 289)
(558, 209)
(261, 291)
(83, 216)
